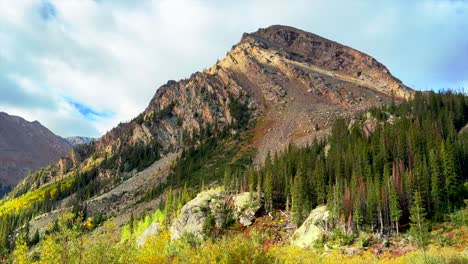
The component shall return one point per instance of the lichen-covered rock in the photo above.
(208, 205)
(246, 205)
(313, 228)
(152, 230)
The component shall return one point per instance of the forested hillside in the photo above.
(369, 169)
(397, 172)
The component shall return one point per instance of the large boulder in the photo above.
(246, 205)
(313, 229)
(197, 213)
(209, 209)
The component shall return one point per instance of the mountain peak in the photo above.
(277, 34)
(325, 55)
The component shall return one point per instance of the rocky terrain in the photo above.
(305, 82)
(26, 146)
(217, 205)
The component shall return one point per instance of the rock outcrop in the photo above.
(196, 214)
(246, 205)
(210, 208)
(313, 229)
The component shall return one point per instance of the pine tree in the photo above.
(395, 211)
(449, 171)
(131, 223)
(371, 205)
(303, 188)
(287, 186)
(357, 215)
(419, 229)
(228, 179)
(435, 183)
(379, 203)
(297, 201)
(252, 180)
(268, 189)
(320, 183)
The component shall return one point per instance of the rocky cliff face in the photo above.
(26, 146)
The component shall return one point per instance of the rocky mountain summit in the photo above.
(303, 82)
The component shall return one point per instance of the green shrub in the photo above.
(338, 237)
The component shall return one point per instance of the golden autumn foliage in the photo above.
(74, 244)
(101, 247)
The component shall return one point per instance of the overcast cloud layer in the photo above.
(80, 67)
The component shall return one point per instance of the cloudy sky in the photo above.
(80, 67)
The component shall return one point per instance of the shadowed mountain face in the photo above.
(283, 84)
(26, 146)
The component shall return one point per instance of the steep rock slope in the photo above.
(26, 146)
(304, 82)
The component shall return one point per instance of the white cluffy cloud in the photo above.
(81, 67)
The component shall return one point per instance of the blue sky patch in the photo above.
(87, 111)
(47, 10)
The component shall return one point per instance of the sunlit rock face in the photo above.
(313, 229)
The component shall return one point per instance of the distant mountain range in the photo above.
(75, 141)
(27, 146)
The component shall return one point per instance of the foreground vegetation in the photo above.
(251, 245)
